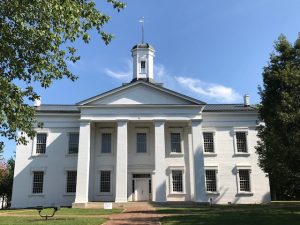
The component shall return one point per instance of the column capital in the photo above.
(159, 122)
(122, 122)
(84, 122)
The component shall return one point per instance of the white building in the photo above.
(141, 142)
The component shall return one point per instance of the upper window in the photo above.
(244, 180)
(105, 181)
(208, 138)
(106, 143)
(38, 182)
(41, 141)
(71, 181)
(241, 142)
(177, 182)
(175, 143)
(141, 142)
(211, 180)
(143, 67)
(73, 143)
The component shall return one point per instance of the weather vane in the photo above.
(142, 22)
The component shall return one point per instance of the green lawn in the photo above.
(65, 216)
(272, 214)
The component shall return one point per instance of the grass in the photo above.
(65, 216)
(271, 214)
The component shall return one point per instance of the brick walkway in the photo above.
(137, 213)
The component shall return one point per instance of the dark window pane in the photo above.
(141, 142)
(73, 143)
(106, 143)
(71, 181)
(105, 181)
(208, 142)
(41, 140)
(175, 142)
(177, 181)
(241, 141)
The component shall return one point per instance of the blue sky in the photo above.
(210, 50)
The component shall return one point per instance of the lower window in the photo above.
(105, 181)
(38, 182)
(177, 183)
(211, 180)
(71, 181)
(244, 180)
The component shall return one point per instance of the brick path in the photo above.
(137, 213)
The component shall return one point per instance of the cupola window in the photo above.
(143, 66)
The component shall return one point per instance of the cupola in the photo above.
(142, 55)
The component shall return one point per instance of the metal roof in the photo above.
(229, 108)
(57, 108)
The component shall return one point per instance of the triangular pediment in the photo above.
(140, 93)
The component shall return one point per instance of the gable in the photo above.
(140, 93)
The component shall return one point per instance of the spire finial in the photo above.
(142, 22)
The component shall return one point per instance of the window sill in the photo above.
(70, 194)
(36, 195)
(210, 154)
(174, 154)
(178, 193)
(246, 154)
(105, 194)
(105, 154)
(39, 155)
(71, 155)
(245, 193)
(212, 193)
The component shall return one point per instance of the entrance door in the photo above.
(142, 189)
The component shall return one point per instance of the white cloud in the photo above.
(201, 88)
(121, 75)
(215, 91)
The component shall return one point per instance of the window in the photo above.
(143, 66)
(211, 180)
(106, 143)
(41, 140)
(105, 181)
(71, 181)
(175, 143)
(73, 143)
(208, 138)
(141, 142)
(177, 184)
(244, 180)
(241, 142)
(38, 181)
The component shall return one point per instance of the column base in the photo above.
(121, 200)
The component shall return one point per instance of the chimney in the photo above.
(246, 100)
(37, 102)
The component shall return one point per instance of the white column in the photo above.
(160, 163)
(190, 163)
(83, 163)
(121, 162)
(200, 194)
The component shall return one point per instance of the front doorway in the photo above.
(141, 187)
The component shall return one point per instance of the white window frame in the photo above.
(244, 167)
(37, 169)
(175, 130)
(104, 131)
(244, 130)
(99, 182)
(68, 152)
(140, 66)
(182, 169)
(210, 130)
(216, 169)
(142, 130)
(66, 180)
(34, 143)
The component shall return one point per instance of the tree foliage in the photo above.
(36, 42)
(6, 180)
(279, 148)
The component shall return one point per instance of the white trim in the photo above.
(246, 131)
(179, 130)
(145, 130)
(111, 131)
(182, 169)
(34, 143)
(244, 167)
(213, 131)
(216, 169)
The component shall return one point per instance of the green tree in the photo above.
(36, 42)
(6, 180)
(279, 145)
